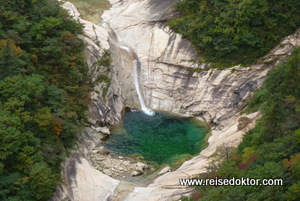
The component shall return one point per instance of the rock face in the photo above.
(166, 75)
(96, 37)
(81, 180)
(136, 30)
(169, 83)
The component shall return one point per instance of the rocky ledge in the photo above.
(118, 166)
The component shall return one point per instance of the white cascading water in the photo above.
(137, 88)
(135, 73)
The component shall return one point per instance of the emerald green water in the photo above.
(163, 138)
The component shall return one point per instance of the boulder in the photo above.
(108, 172)
(136, 173)
(165, 170)
(141, 167)
(95, 151)
(103, 150)
(103, 130)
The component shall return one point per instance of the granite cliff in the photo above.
(169, 81)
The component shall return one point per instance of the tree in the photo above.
(11, 62)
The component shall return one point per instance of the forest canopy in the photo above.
(233, 32)
(44, 91)
(269, 151)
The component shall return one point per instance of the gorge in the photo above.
(162, 64)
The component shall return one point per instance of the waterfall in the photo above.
(137, 88)
(136, 65)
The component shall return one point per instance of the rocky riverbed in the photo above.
(118, 166)
(121, 167)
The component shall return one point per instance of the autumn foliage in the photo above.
(44, 91)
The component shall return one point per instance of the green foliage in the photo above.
(11, 61)
(105, 79)
(104, 63)
(105, 60)
(43, 182)
(247, 153)
(44, 91)
(271, 149)
(235, 31)
(293, 193)
(297, 135)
